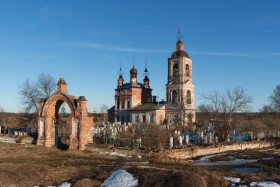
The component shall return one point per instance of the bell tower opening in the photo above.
(175, 70)
(187, 70)
(174, 97)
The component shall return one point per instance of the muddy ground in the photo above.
(30, 165)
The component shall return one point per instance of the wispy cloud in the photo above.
(249, 55)
(105, 47)
(121, 48)
(100, 33)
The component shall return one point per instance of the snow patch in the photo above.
(113, 154)
(264, 184)
(117, 154)
(120, 178)
(210, 156)
(232, 179)
(65, 184)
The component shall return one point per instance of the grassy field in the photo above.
(29, 165)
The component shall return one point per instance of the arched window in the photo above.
(189, 97)
(187, 70)
(118, 104)
(174, 97)
(175, 70)
(128, 104)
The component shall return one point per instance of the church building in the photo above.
(134, 101)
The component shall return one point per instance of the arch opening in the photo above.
(189, 97)
(187, 70)
(174, 97)
(175, 70)
(62, 123)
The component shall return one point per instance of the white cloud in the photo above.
(249, 55)
(98, 33)
(105, 47)
(121, 48)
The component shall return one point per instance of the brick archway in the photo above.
(80, 124)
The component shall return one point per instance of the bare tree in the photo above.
(224, 105)
(235, 100)
(266, 109)
(104, 112)
(275, 99)
(32, 92)
(45, 85)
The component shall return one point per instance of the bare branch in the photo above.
(238, 100)
(275, 99)
(31, 93)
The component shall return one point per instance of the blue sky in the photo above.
(231, 43)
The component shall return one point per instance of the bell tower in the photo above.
(180, 88)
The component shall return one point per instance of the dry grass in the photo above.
(29, 165)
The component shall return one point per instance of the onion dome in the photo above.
(133, 72)
(146, 79)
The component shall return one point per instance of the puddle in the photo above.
(207, 162)
(247, 170)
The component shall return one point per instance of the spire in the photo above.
(146, 80)
(120, 79)
(179, 34)
(120, 71)
(179, 44)
(146, 73)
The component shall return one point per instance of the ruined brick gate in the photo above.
(80, 124)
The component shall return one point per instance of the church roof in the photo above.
(180, 53)
(148, 106)
(128, 85)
